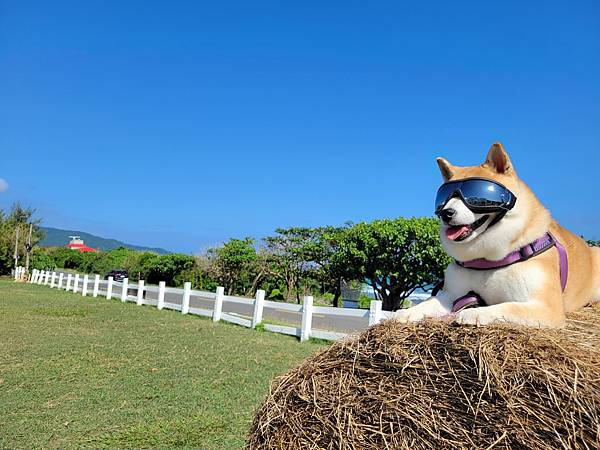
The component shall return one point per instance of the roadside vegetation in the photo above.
(96, 373)
(395, 256)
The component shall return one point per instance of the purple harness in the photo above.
(546, 242)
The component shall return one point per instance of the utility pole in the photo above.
(17, 248)
(28, 248)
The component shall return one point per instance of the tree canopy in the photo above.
(395, 257)
(17, 220)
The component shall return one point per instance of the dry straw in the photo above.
(436, 386)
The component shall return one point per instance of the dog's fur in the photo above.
(528, 292)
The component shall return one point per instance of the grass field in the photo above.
(83, 372)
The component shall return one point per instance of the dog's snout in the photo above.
(447, 214)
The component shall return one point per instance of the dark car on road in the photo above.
(117, 274)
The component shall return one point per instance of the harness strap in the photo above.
(546, 242)
(563, 261)
(471, 300)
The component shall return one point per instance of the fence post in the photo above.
(259, 303)
(84, 288)
(60, 280)
(109, 288)
(140, 293)
(307, 313)
(96, 285)
(40, 277)
(46, 278)
(69, 279)
(76, 284)
(124, 290)
(53, 279)
(218, 304)
(160, 304)
(375, 312)
(185, 301)
(32, 279)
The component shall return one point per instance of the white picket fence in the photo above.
(94, 286)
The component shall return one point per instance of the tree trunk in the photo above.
(255, 282)
(391, 299)
(336, 296)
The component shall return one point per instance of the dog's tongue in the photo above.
(454, 233)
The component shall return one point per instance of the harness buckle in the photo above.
(523, 254)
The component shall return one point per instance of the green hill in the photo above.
(56, 237)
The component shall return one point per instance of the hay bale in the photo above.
(433, 385)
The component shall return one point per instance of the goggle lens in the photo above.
(476, 193)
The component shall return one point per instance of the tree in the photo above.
(290, 254)
(592, 243)
(18, 218)
(200, 274)
(234, 264)
(310, 252)
(327, 243)
(395, 257)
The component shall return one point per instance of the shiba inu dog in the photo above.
(514, 263)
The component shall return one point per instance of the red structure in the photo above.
(77, 244)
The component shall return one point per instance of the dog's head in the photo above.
(468, 235)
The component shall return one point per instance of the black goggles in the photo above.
(479, 194)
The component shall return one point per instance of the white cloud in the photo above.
(3, 185)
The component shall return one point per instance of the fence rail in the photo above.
(181, 300)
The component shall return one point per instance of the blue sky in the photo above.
(182, 124)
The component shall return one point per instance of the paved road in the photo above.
(320, 322)
(280, 316)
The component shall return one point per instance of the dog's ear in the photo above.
(498, 160)
(446, 168)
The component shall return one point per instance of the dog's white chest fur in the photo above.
(513, 283)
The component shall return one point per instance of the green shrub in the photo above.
(41, 260)
(364, 301)
(276, 294)
(328, 298)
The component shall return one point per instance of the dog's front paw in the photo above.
(407, 315)
(477, 316)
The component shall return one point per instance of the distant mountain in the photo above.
(59, 238)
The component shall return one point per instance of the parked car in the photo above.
(117, 274)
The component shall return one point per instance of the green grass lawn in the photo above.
(83, 372)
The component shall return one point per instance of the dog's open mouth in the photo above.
(459, 233)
